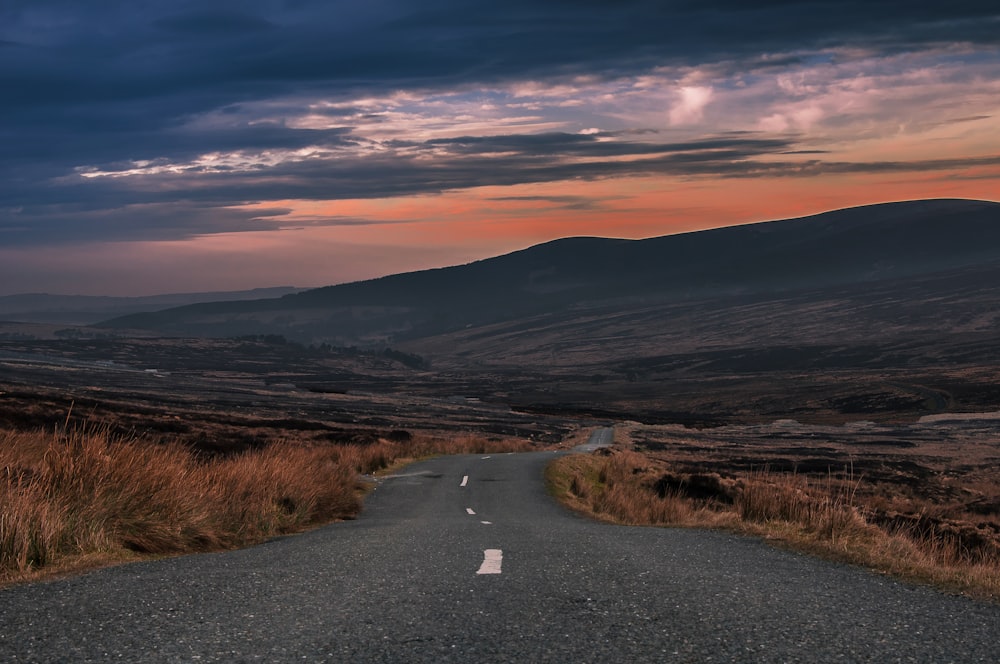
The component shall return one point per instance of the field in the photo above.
(116, 449)
(232, 394)
(920, 501)
(895, 425)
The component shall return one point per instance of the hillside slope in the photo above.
(853, 246)
(87, 309)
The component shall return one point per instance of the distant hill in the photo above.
(869, 244)
(86, 309)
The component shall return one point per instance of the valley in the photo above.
(888, 380)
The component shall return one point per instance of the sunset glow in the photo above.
(234, 148)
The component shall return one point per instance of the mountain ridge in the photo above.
(87, 309)
(849, 246)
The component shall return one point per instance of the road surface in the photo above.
(467, 559)
(604, 437)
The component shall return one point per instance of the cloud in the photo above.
(163, 201)
(562, 202)
(62, 224)
(166, 119)
(212, 23)
(690, 108)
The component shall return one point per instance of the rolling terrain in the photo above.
(859, 340)
(883, 313)
(849, 247)
(85, 309)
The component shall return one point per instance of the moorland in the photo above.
(853, 353)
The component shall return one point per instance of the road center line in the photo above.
(492, 559)
(465, 480)
(469, 510)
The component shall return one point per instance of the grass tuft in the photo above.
(818, 516)
(86, 496)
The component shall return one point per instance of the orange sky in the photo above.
(487, 221)
(371, 182)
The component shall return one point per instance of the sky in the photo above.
(156, 146)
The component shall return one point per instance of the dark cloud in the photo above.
(190, 203)
(76, 223)
(213, 23)
(563, 202)
(466, 162)
(226, 52)
(590, 145)
(108, 83)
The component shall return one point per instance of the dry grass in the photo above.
(617, 488)
(823, 517)
(86, 497)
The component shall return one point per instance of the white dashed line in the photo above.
(486, 523)
(469, 510)
(492, 559)
(486, 457)
(465, 480)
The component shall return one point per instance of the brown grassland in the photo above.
(890, 461)
(212, 444)
(838, 515)
(82, 496)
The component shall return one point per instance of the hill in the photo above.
(864, 245)
(88, 309)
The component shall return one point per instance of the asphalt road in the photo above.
(604, 437)
(467, 559)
